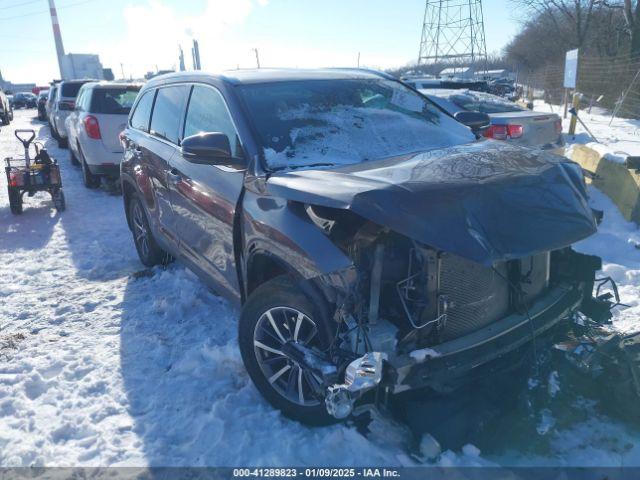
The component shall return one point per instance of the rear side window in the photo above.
(70, 90)
(116, 101)
(168, 112)
(142, 113)
(208, 112)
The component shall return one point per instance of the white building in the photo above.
(463, 73)
(81, 65)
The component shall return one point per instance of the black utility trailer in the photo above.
(25, 176)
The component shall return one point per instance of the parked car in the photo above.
(6, 111)
(94, 127)
(42, 102)
(449, 84)
(371, 241)
(24, 100)
(51, 99)
(64, 104)
(509, 121)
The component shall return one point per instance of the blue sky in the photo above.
(297, 33)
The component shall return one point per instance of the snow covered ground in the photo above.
(100, 367)
(615, 141)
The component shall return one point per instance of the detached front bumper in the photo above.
(446, 365)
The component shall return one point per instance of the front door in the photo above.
(204, 197)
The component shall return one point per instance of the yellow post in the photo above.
(574, 118)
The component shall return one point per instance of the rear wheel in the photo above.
(6, 120)
(279, 313)
(15, 201)
(73, 158)
(54, 133)
(62, 142)
(89, 179)
(59, 201)
(149, 251)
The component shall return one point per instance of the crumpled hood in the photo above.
(485, 201)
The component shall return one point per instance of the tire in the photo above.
(59, 201)
(62, 142)
(5, 119)
(15, 201)
(88, 179)
(285, 301)
(54, 133)
(150, 254)
(74, 160)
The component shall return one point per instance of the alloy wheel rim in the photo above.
(274, 328)
(140, 231)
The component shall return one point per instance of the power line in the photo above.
(7, 7)
(42, 12)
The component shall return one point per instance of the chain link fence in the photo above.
(612, 83)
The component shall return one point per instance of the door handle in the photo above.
(174, 176)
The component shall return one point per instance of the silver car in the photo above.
(65, 102)
(509, 121)
(94, 127)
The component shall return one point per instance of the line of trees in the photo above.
(599, 28)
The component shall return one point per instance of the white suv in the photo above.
(63, 105)
(94, 127)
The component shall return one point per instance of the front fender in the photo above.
(283, 229)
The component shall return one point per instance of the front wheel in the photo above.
(149, 251)
(279, 313)
(15, 201)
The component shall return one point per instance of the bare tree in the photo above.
(577, 14)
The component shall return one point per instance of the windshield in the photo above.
(338, 122)
(484, 102)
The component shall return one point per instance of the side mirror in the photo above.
(212, 148)
(476, 121)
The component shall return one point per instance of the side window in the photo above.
(80, 102)
(208, 112)
(168, 112)
(142, 114)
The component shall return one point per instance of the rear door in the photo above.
(150, 169)
(160, 146)
(204, 197)
(111, 107)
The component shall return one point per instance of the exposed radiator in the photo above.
(476, 295)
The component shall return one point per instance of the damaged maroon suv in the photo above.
(374, 245)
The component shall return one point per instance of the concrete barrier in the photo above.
(614, 179)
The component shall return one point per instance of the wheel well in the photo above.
(261, 269)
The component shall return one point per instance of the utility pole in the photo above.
(122, 70)
(257, 57)
(195, 53)
(182, 65)
(57, 37)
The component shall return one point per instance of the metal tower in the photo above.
(57, 36)
(453, 31)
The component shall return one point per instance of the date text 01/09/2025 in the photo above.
(316, 472)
